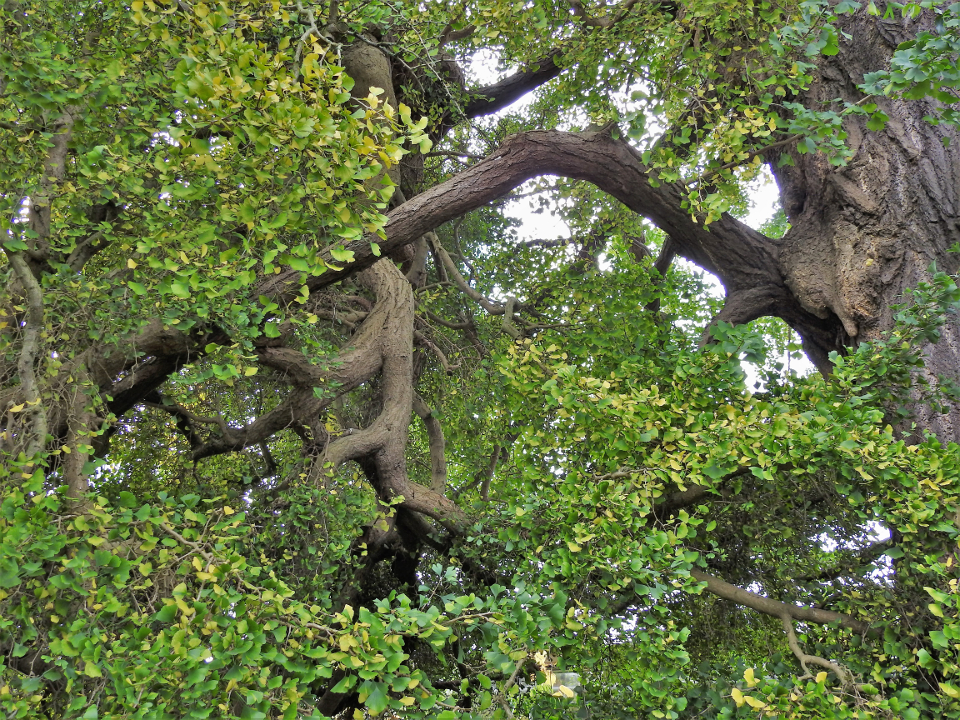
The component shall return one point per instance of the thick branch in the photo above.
(493, 98)
(778, 609)
(35, 412)
(53, 170)
(740, 256)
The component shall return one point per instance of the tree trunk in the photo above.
(865, 233)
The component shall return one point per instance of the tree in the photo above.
(293, 425)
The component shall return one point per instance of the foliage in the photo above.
(190, 522)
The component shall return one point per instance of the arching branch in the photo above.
(777, 609)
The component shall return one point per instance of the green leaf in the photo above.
(341, 255)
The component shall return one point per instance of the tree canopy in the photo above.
(294, 423)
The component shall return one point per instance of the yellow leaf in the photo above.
(136, 6)
(821, 676)
(407, 701)
(131, 263)
(754, 703)
(950, 690)
(16, 408)
(227, 510)
(250, 371)
(737, 697)
(573, 546)
(749, 677)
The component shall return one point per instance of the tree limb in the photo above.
(438, 459)
(34, 411)
(493, 98)
(778, 609)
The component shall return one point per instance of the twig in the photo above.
(422, 339)
(451, 153)
(181, 539)
(507, 685)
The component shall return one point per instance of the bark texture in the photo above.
(863, 234)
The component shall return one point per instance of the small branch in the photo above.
(844, 675)
(508, 326)
(451, 268)
(865, 556)
(446, 323)
(509, 684)
(451, 153)
(188, 543)
(483, 476)
(438, 461)
(421, 339)
(86, 249)
(311, 30)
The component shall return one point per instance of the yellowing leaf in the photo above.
(950, 690)
(754, 703)
(737, 697)
(573, 546)
(821, 676)
(749, 677)
(131, 263)
(227, 510)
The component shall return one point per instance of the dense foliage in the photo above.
(273, 449)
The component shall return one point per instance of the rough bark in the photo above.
(863, 234)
